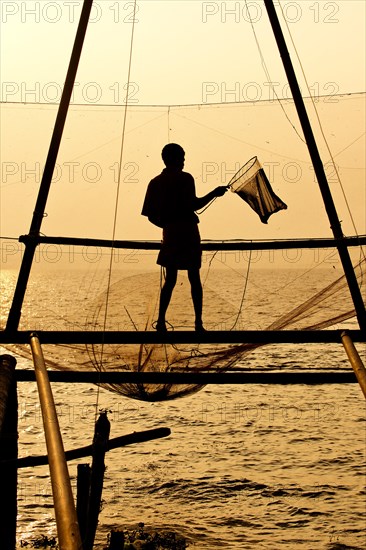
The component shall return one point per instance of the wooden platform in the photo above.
(183, 337)
(200, 378)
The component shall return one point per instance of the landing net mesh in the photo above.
(252, 185)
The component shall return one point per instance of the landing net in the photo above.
(252, 185)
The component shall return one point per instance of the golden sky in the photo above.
(199, 54)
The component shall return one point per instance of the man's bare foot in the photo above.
(199, 327)
(160, 326)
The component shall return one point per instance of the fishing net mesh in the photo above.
(90, 288)
(237, 295)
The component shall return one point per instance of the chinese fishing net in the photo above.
(92, 288)
(237, 295)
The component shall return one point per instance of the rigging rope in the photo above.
(168, 115)
(362, 253)
(244, 292)
(164, 105)
(266, 72)
(117, 190)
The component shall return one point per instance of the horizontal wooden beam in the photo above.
(200, 378)
(206, 245)
(87, 450)
(182, 337)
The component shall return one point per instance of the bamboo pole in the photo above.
(39, 210)
(330, 208)
(66, 519)
(8, 452)
(355, 360)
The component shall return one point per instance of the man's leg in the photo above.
(197, 295)
(165, 296)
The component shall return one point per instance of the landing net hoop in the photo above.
(246, 173)
(251, 184)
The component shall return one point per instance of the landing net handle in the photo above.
(245, 174)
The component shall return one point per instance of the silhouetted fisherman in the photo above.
(171, 204)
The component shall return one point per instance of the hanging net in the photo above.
(242, 290)
(107, 289)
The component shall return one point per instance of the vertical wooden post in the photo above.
(82, 497)
(117, 540)
(100, 443)
(7, 368)
(8, 451)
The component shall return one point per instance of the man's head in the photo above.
(173, 155)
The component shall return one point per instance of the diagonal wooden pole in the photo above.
(318, 167)
(355, 360)
(39, 211)
(65, 512)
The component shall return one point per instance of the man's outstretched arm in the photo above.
(200, 202)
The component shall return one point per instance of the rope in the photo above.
(362, 253)
(244, 292)
(266, 72)
(163, 105)
(168, 116)
(117, 193)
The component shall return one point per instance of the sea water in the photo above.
(245, 466)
